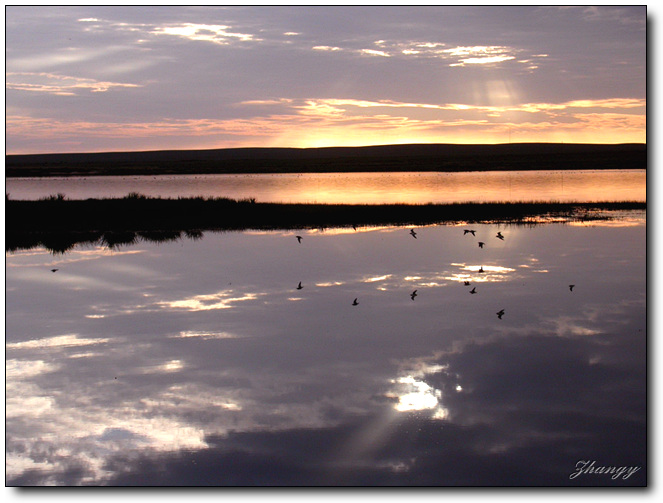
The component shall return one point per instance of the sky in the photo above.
(122, 78)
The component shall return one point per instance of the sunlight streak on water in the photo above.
(355, 188)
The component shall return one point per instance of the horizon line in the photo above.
(91, 152)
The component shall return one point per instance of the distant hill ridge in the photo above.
(254, 153)
(402, 157)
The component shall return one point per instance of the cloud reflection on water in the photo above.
(190, 382)
(219, 300)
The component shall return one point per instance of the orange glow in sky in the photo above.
(89, 78)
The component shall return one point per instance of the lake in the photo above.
(202, 362)
(350, 188)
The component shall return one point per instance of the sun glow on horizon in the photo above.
(338, 122)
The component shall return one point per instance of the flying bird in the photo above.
(500, 313)
(413, 295)
(481, 243)
(467, 283)
(53, 270)
(474, 290)
(571, 287)
(299, 239)
(299, 287)
(499, 236)
(469, 231)
(413, 234)
(354, 302)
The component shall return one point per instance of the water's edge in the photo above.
(59, 224)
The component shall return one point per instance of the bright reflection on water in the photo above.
(202, 362)
(352, 188)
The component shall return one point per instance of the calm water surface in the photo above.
(590, 185)
(200, 362)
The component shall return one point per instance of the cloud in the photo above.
(60, 341)
(607, 103)
(219, 300)
(373, 52)
(217, 34)
(457, 56)
(480, 55)
(326, 48)
(483, 61)
(333, 104)
(620, 15)
(61, 85)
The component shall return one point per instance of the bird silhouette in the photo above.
(481, 243)
(499, 236)
(354, 302)
(413, 234)
(53, 270)
(481, 269)
(500, 313)
(469, 231)
(467, 283)
(571, 287)
(474, 290)
(299, 239)
(299, 287)
(413, 295)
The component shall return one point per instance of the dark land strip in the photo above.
(386, 158)
(59, 224)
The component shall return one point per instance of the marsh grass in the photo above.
(54, 197)
(122, 221)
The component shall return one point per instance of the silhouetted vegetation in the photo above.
(55, 197)
(385, 158)
(58, 223)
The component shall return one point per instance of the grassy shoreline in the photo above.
(59, 223)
